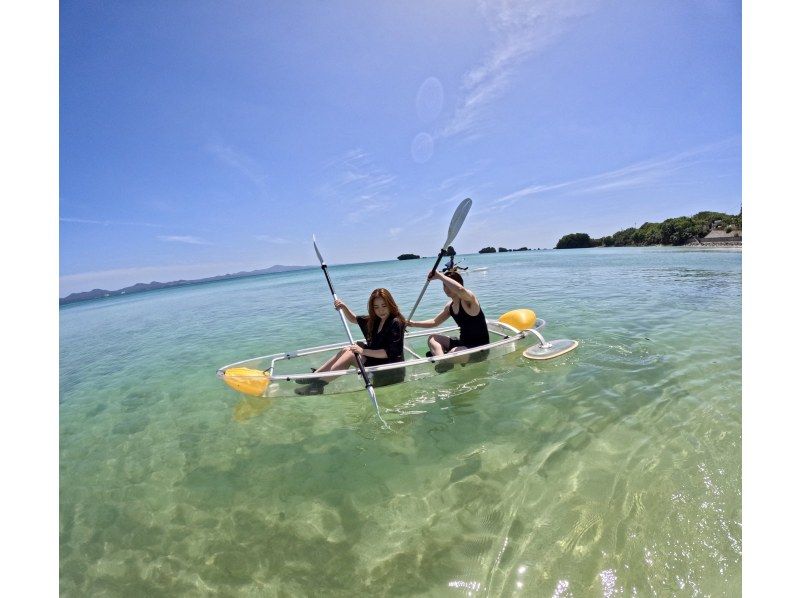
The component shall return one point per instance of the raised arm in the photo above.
(460, 290)
(348, 313)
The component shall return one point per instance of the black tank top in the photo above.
(473, 328)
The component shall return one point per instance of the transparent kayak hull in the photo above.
(278, 375)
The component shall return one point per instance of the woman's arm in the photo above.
(433, 322)
(376, 353)
(463, 293)
(348, 313)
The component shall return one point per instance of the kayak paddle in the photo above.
(367, 379)
(455, 225)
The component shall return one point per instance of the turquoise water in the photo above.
(613, 470)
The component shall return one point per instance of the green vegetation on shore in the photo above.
(672, 231)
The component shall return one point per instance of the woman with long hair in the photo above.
(383, 328)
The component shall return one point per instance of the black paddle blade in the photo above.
(319, 255)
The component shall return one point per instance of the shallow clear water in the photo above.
(613, 470)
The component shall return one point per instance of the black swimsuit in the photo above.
(472, 328)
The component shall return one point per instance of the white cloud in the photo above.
(351, 156)
(108, 222)
(244, 164)
(638, 174)
(365, 207)
(361, 187)
(182, 239)
(271, 239)
(456, 178)
(421, 218)
(522, 27)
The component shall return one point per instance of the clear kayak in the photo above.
(278, 375)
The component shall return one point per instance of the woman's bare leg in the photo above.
(462, 359)
(341, 361)
(438, 343)
(328, 365)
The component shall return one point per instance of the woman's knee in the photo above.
(439, 341)
(345, 352)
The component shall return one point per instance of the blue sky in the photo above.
(200, 138)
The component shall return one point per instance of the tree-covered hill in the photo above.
(672, 231)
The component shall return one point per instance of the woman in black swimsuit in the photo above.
(465, 309)
(383, 329)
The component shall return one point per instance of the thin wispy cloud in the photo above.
(460, 195)
(466, 191)
(108, 222)
(351, 156)
(451, 181)
(361, 187)
(639, 174)
(182, 239)
(522, 27)
(242, 163)
(365, 208)
(421, 218)
(275, 240)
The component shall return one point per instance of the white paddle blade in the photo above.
(456, 222)
(455, 225)
(550, 349)
(377, 409)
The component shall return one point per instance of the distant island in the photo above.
(408, 256)
(143, 287)
(704, 228)
(501, 250)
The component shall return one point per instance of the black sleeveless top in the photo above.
(473, 328)
(390, 339)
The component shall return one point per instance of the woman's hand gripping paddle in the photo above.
(367, 379)
(455, 225)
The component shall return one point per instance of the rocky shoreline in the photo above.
(730, 242)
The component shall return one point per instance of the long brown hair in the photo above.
(394, 311)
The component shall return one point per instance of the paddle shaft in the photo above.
(346, 328)
(367, 379)
(442, 253)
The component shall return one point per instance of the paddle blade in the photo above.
(455, 225)
(456, 222)
(372, 396)
(550, 349)
(319, 255)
